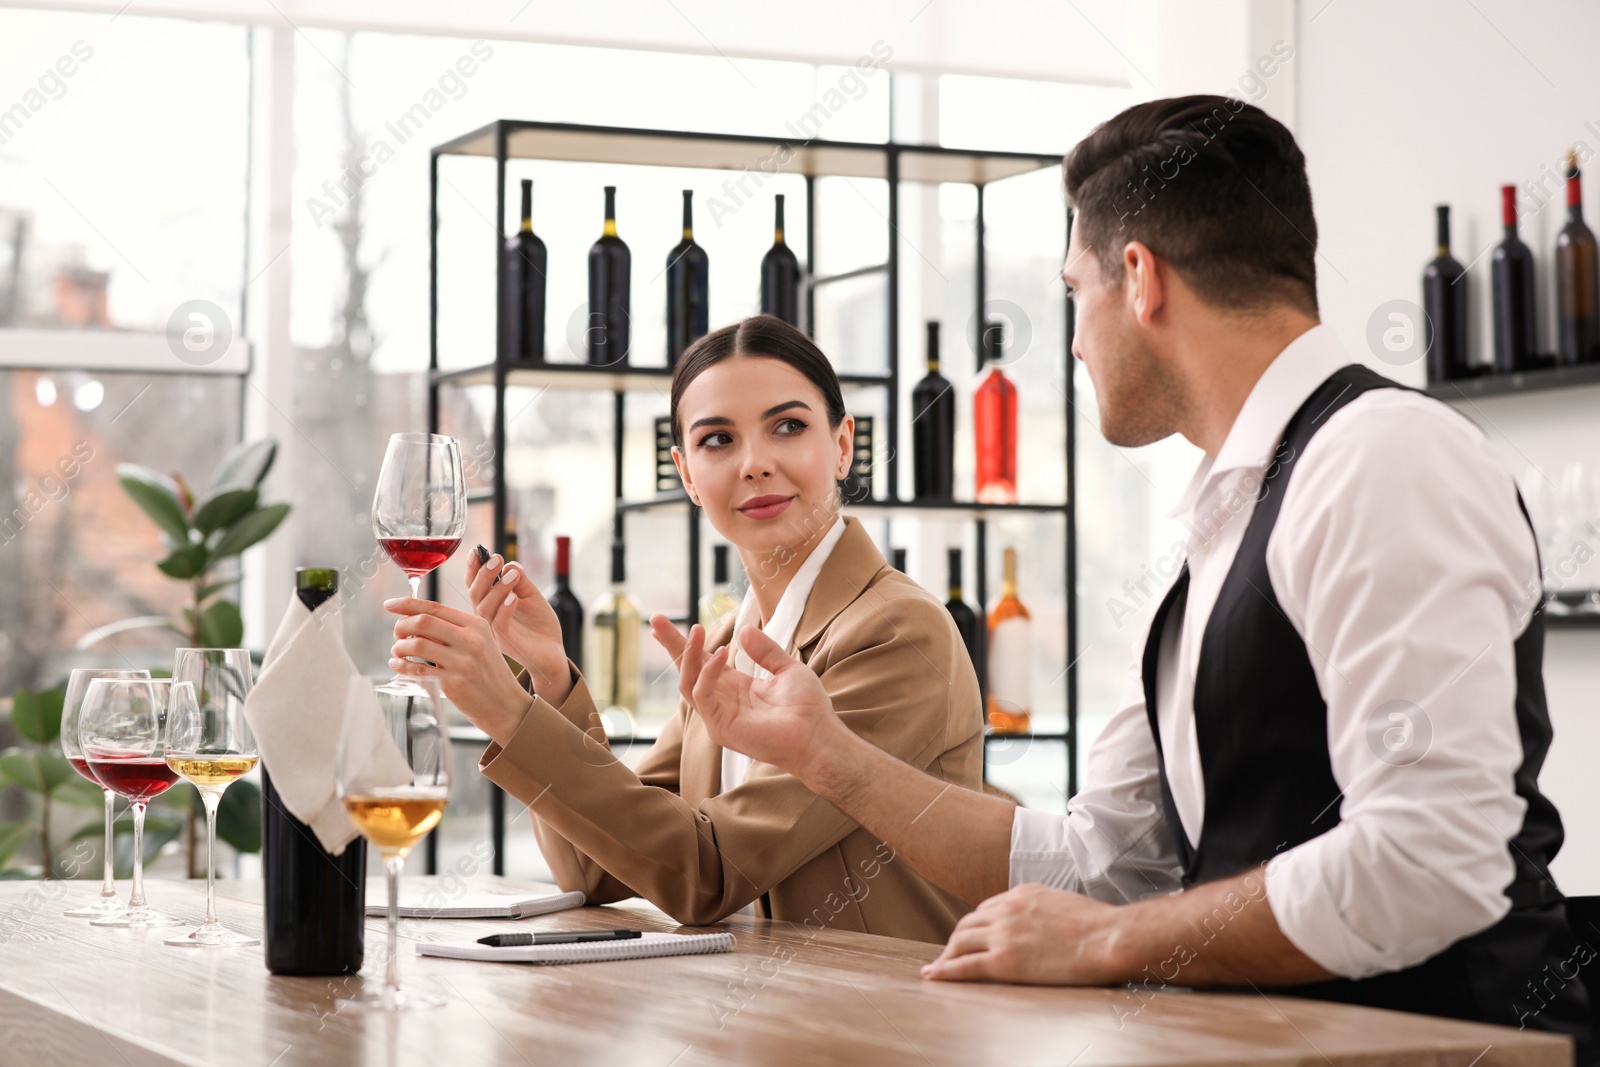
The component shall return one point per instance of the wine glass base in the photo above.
(211, 937)
(394, 1000)
(403, 686)
(140, 919)
(102, 908)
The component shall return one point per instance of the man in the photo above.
(1334, 726)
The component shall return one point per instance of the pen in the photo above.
(516, 940)
(483, 557)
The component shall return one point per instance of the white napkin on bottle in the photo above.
(296, 710)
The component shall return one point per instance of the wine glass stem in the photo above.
(137, 900)
(211, 800)
(108, 887)
(416, 585)
(391, 977)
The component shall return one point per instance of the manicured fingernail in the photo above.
(391, 602)
(511, 598)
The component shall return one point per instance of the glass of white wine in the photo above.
(394, 779)
(209, 745)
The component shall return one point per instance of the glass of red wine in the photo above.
(419, 512)
(71, 710)
(121, 732)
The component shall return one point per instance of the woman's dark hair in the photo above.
(1215, 185)
(765, 336)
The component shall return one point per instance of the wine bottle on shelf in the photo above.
(610, 268)
(1444, 304)
(513, 549)
(1511, 286)
(525, 288)
(994, 425)
(688, 302)
(1577, 280)
(719, 601)
(969, 623)
(1010, 649)
(780, 276)
(315, 902)
(614, 677)
(933, 430)
(569, 613)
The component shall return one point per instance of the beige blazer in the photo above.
(892, 660)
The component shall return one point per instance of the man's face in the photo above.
(1138, 396)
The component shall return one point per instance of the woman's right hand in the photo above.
(525, 627)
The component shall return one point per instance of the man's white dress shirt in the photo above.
(1403, 562)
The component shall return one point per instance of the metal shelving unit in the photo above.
(895, 163)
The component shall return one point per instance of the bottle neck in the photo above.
(1443, 228)
(1574, 197)
(1508, 209)
(611, 212)
(777, 228)
(688, 215)
(527, 207)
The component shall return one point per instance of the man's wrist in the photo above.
(829, 767)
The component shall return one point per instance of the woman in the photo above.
(760, 439)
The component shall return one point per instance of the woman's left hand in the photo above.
(472, 673)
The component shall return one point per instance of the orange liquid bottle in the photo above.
(1010, 656)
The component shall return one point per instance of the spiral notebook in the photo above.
(640, 948)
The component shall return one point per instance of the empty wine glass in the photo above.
(210, 745)
(419, 510)
(71, 711)
(121, 732)
(393, 775)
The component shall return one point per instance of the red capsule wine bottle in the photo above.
(688, 304)
(933, 430)
(994, 426)
(780, 277)
(1444, 302)
(564, 602)
(315, 902)
(1577, 280)
(526, 261)
(1511, 289)
(610, 269)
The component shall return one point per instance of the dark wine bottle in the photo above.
(688, 301)
(1511, 289)
(315, 902)
(525, 286)
(610, 268)
(969, 623)
(565, 603)
(1577, 280)
(1444, 303)
(780, 277)
(933, 430)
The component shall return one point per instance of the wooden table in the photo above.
(73, 994)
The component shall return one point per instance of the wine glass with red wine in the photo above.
(71, 709)
(419, 512)
(121, 732)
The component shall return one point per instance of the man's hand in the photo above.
(785, 720)
(1032, 935)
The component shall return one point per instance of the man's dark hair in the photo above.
(1214, 185)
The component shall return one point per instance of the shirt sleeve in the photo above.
(1401, 558)
(1114, 844)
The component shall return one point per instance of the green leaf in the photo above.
(13, 835)
(79, 792)
(17, 874)
(186, 562)
(223, 507)
(221, 625)
(217, 587)
(238, 816)
(157, 495)
(38, 772)
(248, 530)
(37, 715)
(246, 464)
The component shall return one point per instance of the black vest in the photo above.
(1262, 730)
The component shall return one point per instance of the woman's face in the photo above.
(753, 429)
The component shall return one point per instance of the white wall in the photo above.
(1404, 105)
